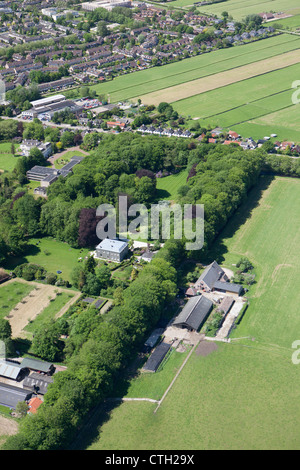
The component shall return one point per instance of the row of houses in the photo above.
(163, 131)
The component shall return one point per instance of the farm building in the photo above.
(113, 250)
(194, 313)
(37, 365)
(214, 278)
(228, 288)
(33, 404)
(11, 370)
(153, 338)
(10, 396)
(37, 383)
(157, 357)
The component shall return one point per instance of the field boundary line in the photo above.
(132, 399)
(177, 93)
(177, 374)
(205, 66)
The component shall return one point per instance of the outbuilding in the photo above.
(194, 313)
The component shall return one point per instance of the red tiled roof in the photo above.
(33, 404)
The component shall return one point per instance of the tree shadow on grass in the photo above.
(13, 261)
(90, 432)
(219, 249)
(162, 194)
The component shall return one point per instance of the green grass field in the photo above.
(244, 395)
(148, 385)
(11, 294)
(265, 100)
(292, 23)
(168, 186)
(8, 160)
(158, 78)
(60, 257)
(239, 9)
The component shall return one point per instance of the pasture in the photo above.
(218, 80)
(160, 78)
(242, 106)
(243, 395)
(239, 9)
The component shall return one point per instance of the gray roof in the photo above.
(38, 381)
(211, 274)
(9, 369)
(36, 364)
(157, 357)
(153, 338)
(115, 246)
(10, 396)
(194, 313)
(228, 286)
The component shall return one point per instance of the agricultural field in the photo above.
(27, 304)
(138, 84)
(243, 106)
(239, 9)
(292, 23)
(245, 394)
(11, 294)
(52, 255)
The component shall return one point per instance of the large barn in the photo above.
(194, 313)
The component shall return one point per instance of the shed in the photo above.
(157, 357)
(153, 338)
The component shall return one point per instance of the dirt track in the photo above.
(33, 304)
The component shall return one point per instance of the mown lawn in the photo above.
(244, 395)
(66, 157)
(168, 186)
(51, 254)
(7, 159)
